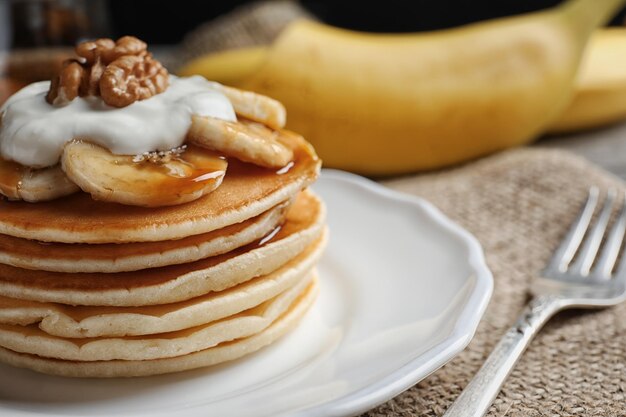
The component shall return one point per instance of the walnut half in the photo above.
(131, 78)
(65, 87)
(120, 72)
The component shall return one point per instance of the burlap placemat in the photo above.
(519, 204)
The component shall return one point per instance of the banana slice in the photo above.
(149, 180)
(255, 106)
(18, 182)
(245, 140)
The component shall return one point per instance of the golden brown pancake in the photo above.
(96, 321)
(31, 339)
(223, 352)
(304, 224)
(247, 191)
(119, 257)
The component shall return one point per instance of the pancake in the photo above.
(94, 321)
(114, 257)
(31, 339)
(223, 352)
(303, 225)
(246, 192)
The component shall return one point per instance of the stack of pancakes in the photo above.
(92, 289)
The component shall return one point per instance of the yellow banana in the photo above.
(228, 67)
(600, 90)
(384, 104)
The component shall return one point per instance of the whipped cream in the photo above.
(33, 132)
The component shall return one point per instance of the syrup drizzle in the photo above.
(181, 174)
(269, 236)
(286, 168)
(11, 174)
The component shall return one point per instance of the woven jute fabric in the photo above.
(519, 204)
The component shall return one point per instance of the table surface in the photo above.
(605, 147)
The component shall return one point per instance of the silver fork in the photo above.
(588, 281)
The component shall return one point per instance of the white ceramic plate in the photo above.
(402, 291)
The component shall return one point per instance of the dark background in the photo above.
(380, 16)
(64, 22)
(178, 17)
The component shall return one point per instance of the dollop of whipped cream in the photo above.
(33, 133)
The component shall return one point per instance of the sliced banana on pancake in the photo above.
(245, 140)
(255, 106)
(149, 180)
(18, 182)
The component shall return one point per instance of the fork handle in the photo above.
(479, 394)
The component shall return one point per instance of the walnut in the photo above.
(131, 78)
(65, 86)
(126, 45)
(108, 51)
(121, 72)
(90, 85)
(92, 50)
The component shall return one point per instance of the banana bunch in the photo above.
(382, 104)
(600, 90)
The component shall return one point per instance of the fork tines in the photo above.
(577, 254)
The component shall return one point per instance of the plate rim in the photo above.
(464, 329)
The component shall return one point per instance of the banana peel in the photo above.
(384, 104)
(600, 89)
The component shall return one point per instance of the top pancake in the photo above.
(247, 191)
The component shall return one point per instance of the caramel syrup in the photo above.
(265, 239)
(304, 157)
(187, 173)
(11, 174)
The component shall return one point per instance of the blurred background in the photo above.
(41, 32)
(36, 36)
(25, 23)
